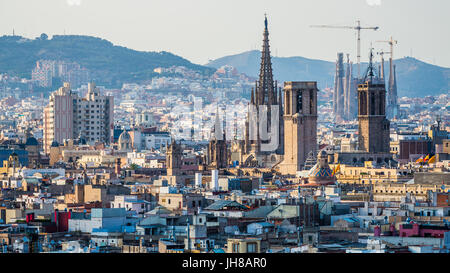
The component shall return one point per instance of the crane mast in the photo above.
(391, 43)
(358, 28)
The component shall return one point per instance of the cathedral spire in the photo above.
(252, 100)
(265, 88)
(217, 128)
(265, 20)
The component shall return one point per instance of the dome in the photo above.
(318, 171)
(124, 136)
(31, 141)
(321, 173)
(124, 141)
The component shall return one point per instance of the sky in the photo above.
(202, 30)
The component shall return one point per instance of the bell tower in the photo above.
(373, 127)
(173, 158)
(300, 124)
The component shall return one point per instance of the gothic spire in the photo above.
(265, 88)
(252, 100)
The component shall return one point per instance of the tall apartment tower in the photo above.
(69, 116)
(58, 117)
(94, 117)
(373, 126)
(300, 125)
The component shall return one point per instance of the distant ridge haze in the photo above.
(414, 77)
(112, 65)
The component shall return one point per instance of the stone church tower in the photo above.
(373, 129)
(300, 124)
(173, 158)
(217, 147)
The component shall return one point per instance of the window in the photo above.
(299, 102)
(251, 247)
(235, 248)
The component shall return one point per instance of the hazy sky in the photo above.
(200, 30)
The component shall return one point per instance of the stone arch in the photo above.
(249, 160)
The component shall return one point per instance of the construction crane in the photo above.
(381, 53)
(391, 42)
(358, 28)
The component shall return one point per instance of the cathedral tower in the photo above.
(173, 158)
(373, 125)
(217, 147)
(300, 124)
(264, 94)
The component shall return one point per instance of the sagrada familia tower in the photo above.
(345, 94)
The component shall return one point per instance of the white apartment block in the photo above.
(69, 116)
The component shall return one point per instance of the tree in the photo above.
(44, 37)
(134, 166)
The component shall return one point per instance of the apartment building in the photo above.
(69, 116)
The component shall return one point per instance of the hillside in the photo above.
(109, 64)
(414, 77)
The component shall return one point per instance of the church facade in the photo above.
(263, 144)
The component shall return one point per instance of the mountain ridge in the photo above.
(414, 77)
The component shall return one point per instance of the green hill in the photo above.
(108, 64)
